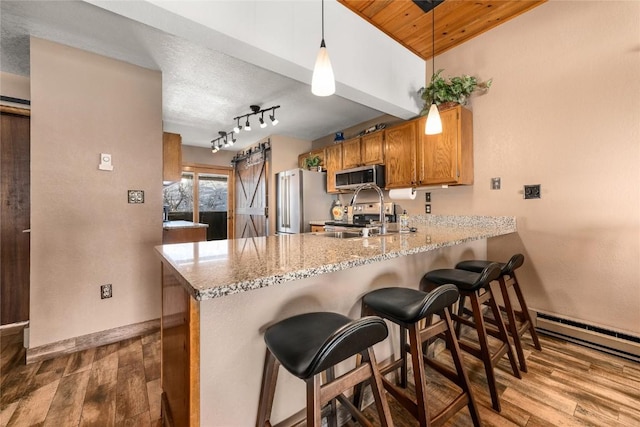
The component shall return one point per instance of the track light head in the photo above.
(262, 123)
(237, 128)
(273, 119)
(247, 126)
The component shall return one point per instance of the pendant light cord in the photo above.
(322, 22)
(433, 49)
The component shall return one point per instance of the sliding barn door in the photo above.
(251, 175)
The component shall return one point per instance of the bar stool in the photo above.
(407, 308)
(476, 287)
(311, 344)
(518, 321)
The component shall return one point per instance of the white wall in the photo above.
(563, 112)
(84, 233)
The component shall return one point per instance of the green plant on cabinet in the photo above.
(451, 90)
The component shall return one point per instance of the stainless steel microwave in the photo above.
(350, 179)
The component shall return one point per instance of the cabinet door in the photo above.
(171, 157)
(351, 153)
(303, 157)
(447, 158)
(400, 155)
(333, 163)
(372, 148)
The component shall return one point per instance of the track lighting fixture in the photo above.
(227, 139)
(433, 125)
(323, 82)
(273, 119)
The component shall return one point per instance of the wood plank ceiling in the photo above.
(456, 21)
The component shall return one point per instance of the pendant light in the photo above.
(323, 82)
(434, 123)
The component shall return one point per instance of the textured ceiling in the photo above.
(203, 90)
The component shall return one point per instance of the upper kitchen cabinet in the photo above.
(171, 157)
(400, 155)
(366, 150)
(447, 158)
(333, 164)
(413, 159)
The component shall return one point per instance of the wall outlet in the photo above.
(532, 191)
(105, 291)
(427, 209)
(135, 196)
(495, 183)
(427, 197)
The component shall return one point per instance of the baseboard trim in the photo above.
(12, 328)
(97, 339)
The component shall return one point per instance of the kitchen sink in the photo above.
(341, 234)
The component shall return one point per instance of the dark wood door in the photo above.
(251, 195)
(14, 215)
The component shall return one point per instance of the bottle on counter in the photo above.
(404, 222)
(336, 210)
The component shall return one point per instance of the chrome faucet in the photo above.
(383, 227)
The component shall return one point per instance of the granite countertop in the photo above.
(224, 267)
(171, 225)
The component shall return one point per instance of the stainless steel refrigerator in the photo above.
(301, 197)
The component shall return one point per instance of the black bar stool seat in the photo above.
(518, 321)
(413, 310)
(475, 286)
(311, 344)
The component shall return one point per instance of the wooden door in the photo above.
(372, 148)
(250, 174)
(333, 163)
(14, 215)
(351, 156)
(400, 155)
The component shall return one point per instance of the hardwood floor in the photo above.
(119, 385)
(112, 385)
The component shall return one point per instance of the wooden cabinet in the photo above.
(351, 157)
(367, 150)
(184, 235)
(317, 228)
(415, 159)
(171, 157)
(447, 158)
(400, 155)
(333, 163)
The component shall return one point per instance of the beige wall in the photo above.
(204, 156)
(16, 87)
(84, 233)
(563, 112)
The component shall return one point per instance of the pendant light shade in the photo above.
(434, 124)
(323, 82)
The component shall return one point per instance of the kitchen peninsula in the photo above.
(219, 296)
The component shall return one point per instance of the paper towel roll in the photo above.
(402, 194)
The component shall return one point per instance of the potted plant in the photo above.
(313, 162)
(454, 90)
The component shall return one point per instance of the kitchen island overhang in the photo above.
(219, 296)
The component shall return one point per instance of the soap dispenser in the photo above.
(404, 222)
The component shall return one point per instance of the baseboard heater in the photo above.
(609, 341)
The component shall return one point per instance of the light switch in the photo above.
(105, 162)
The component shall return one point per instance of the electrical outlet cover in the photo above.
(532, 191)
(136, 196)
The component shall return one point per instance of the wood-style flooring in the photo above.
(119, 385)
(113, 385)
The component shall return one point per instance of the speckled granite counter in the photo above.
(219, 268)
(219, 296)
